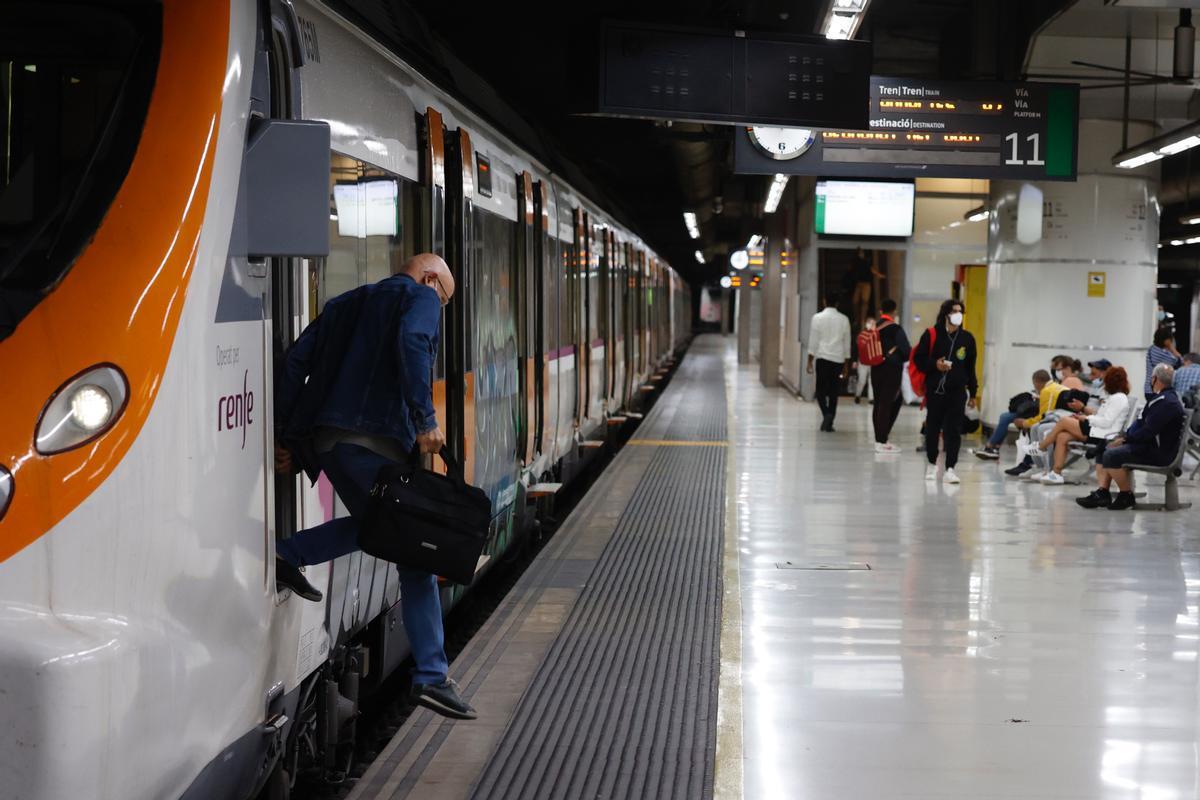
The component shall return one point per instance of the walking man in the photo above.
(356, 395)
(829, 353)
(886, 376)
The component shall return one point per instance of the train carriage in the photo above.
(158, 261)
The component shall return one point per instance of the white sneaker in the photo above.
(931, 472)
(951, 477)
(1033, 477)
(1053, 479)
(886, 447)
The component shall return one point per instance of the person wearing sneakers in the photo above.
(1048, 397)
(887, 376)
(1018, 410)
(1094, 426)
(946, 354)
(1152, 439)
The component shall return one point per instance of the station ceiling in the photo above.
(654, 172)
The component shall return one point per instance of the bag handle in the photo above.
(454, 470)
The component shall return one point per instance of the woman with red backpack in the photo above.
(944, 359)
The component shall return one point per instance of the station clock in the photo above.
(781, 144)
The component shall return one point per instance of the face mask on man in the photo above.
(1058, 374)
(956, 318)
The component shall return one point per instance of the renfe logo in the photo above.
(235, 410)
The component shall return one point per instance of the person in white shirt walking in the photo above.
(829, 357)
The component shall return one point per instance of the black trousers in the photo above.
(829, 375)
(944, 416)
(885, 380)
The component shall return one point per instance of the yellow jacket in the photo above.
(1047, 399)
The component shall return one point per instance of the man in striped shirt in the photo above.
(1161, 352)
(1188, 375)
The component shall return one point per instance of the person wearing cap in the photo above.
(1188, 376)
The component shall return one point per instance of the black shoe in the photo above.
(290, 577)
(1122, 501)
(1097, 499)
(442, 698)
(1019, 469)
(857, 400)
(987, 454)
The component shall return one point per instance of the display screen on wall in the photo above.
(865, 208)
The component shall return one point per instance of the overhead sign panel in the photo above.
(943, 129)
(661, 72)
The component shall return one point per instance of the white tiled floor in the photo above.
(1004, 643)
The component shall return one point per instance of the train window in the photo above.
(75, 86)
(372, 226)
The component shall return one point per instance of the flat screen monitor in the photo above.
(865, 208)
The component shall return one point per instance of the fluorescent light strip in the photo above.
(689, 219)
(699, 257)
(775, 193)
(844, 18)
(1168, 144)
(1190, 219)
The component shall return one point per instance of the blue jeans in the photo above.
(1001, 431)
(352, 470)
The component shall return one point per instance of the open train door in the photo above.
(527, 311)
(459, 316)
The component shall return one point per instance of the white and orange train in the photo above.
(163, 222)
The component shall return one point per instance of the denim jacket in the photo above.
(364, 365)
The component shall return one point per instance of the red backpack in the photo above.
(915, 376)
(870, 349)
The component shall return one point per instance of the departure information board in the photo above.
(943, 129)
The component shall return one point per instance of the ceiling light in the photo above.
(1176, 242)
(699, 257)
(1190, 219)
(840, 26)
(739, 259)
(754, 242)
(689, 219)
(1167, 144)
(775, 193)
(977, 214)
(726, 282)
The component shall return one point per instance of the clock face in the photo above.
(782, 144)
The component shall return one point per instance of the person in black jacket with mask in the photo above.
(886, 377)
(948, 361)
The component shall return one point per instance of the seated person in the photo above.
(1153, 439)
(1096, 370)
(1044, 389)
(1094, 426)
(1048, 402)
(1068, 373)
(1187, 377)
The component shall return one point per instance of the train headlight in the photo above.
(6, 490)
(91, 408)
(82, 409)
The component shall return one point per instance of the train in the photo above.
(185, 185)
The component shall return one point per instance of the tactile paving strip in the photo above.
(624, 705)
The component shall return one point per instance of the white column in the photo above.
(1039, 302)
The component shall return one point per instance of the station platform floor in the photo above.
(743, 606)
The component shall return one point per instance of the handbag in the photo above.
(421, 520)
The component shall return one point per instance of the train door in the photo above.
(627, 319)
(528, 245)
(459, 316)
(579, 266)
(544, 314)
(277, 98)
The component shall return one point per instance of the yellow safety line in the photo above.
(674, 443)
(728, 781)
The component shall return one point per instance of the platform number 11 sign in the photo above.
(1033, 147)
